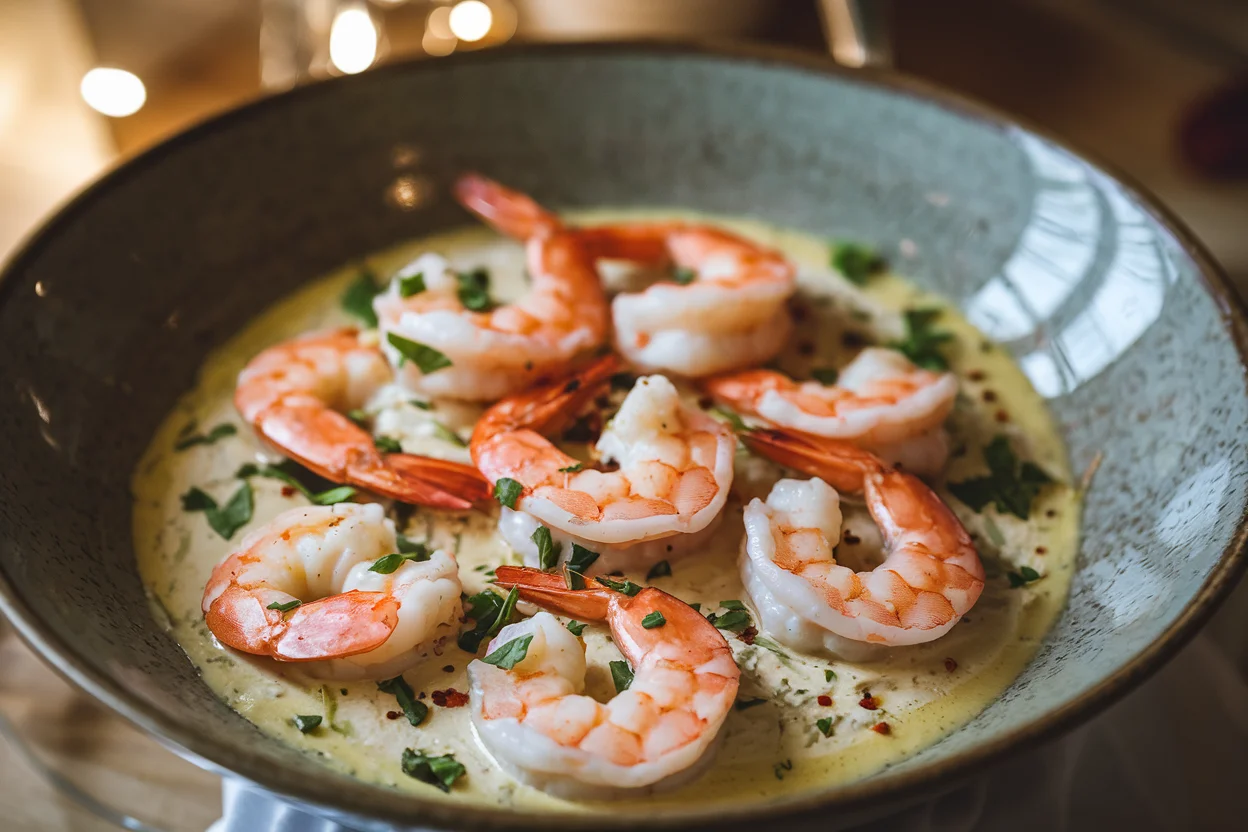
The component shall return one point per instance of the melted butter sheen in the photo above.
(771, 747)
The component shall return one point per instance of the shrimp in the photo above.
(731, 313)
(500, 351)
(539, 725)
(348, 621)
(294, 394)
(675, 463)
(881, 402)
(931, 575)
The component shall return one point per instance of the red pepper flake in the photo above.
(1002, 416)
(989, 396)
(951, 665)
(1040, 550)
(851, 538)
(288, 491)
(747, 635)
(825, 700)
(976, 375)
(449, 698)
(393, 714)
(882, 728)
(1050, 513)
(869, 702)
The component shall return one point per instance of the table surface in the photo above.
(1117, 91)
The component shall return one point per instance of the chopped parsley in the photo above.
(577, 565)
(734, 620)
(922, 343)
(653, 621)
(857, 262)
(731, 418)
(357, 300)
(1022, 577)
(388, 564)
(284, 607)
(490, 611)
(387, 444)
(507, 491)
(307, 723)
(219, 432)
(626, 586)
(447, 435)
(732, 605)
(825, 375)
(511, 653)
(575, 627)
(417, 551)
(824, 725)
(829, 675)
(623, 381)
(412, 284)
(474, 289)
(413, 709)
(1010, 487)
(683, 276)
(572, 469)
(227, 519)
(286, 472)
(425, 357)
(662, 569)
(440, 772)
(621, 675)
(547, 552)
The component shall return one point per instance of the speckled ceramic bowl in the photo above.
(1115, 312)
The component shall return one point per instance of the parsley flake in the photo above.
(307, 723)
(1022, 577)
(444, 433)
(826, 376)
(425, 357)
(662, 569)
(357, 300)
(922, 342)
(413, 709)
(733, 420)
(284, 607)
(576, 628)
(507, 491)
(224, 520)
(387, 444)
(621, 675)
(490, 612)
(1010, 487)
(511, 653)
(219, 432)
(474, 289)
(572, 469)
(440, 772)
(627, 587)
(578, 564)
(412, 284)
(683, 276)
(857, 262)
(824, 725)
(653, 621)
(547, 552)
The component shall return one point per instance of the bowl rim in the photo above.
(373, 801)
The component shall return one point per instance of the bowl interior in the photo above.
(106, 315)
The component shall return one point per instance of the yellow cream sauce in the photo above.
(770, 746)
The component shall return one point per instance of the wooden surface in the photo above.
(1115, 90)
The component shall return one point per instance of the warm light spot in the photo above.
(113, 92)
(353, 40)
(470, 20)
(440, 23)
(436, 46)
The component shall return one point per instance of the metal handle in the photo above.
(857, 31)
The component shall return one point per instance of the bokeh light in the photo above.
(113, 92)
(353, 40)
(470, 20)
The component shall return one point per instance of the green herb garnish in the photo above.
(197, 500)
(572, 469)
(623, 381)
(734, 621)
(653, 621)
(219, 432)
(511, 653)
(547, 552)
(357, 300)
(418, 552)
(578, 564)
(627, 587)
(425, 357)
(824, 725)
(284, 607)
(829, 675)
(732, 604)
(411, 284)
(388, 564)
(281, 472)
(922, 343)
(387, 444)
(227, 519)
(857, 262)
(413, 709)
(440, 772)
(733, 420)
(1010, 487)
(307, 723)
(490, 612)
(576, 628)
(662, 569)
(825, 375)
(621, 675)
(447, 435)
(474, 289)
(683, 276)
(507, 491)
(1022, 577)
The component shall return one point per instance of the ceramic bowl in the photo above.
(1115, 312)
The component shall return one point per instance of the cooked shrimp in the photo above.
(731, 314)
(294, 395)
(540, 726)
(880, 402)
(675, 462)
(931, 574)
(348, 622)
(500, 351)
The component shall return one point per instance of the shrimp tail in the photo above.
(742, 390)
(547, 407)
(842, 465)
(333, 627)
(439, 483)
(508, 212)
(549, 591)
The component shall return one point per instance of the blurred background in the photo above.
(1158, 88)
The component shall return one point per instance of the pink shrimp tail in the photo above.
(549, 591)
(331, 628)
(841, 464)
(743, 390)
(439, 483)
(508, 212)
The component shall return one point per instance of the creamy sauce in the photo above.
(771, 745)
